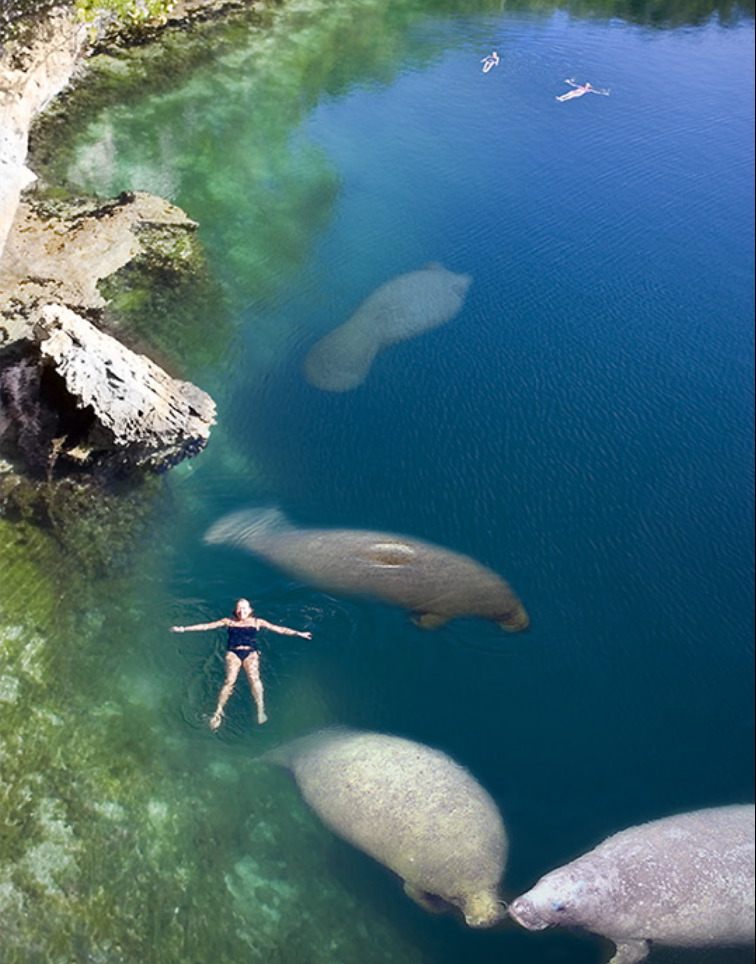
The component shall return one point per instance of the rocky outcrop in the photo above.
(134, 409)
(60, 251)
(29, 80)
(71, 395)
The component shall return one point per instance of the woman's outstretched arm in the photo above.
(283, 630)
(200, 627)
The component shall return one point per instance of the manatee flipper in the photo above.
(630, 952)
(515, 621)
(429, 902)
(429, 620)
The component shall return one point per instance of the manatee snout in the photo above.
(514, 621)
(483, 910)
(524, 912)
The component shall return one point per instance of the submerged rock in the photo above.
(61, 249)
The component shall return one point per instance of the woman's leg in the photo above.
(252, 669)
(233, 665)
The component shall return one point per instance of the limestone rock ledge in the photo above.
(60, 251)
(71, 395)
(135, 408)
(74, 394)
(29, 80)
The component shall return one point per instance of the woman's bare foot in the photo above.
(262, 717)
(215, 721)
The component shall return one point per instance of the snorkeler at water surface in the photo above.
(241, 650)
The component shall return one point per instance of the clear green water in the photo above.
(582, 426)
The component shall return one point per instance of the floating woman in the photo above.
(241, 650)
(491, 60)
(581, 89)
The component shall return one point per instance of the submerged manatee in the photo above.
(684, 881)
(433, 583)
(410, 807)
(400, 309)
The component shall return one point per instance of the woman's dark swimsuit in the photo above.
(242, 641)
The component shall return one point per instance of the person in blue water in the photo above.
(579, 90)
(241, 651)
(489, 61)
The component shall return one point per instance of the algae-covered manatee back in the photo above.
(410, 807)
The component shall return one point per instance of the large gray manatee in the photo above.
(410, 807)
(435, 584)
(400, 309)
(684, 881)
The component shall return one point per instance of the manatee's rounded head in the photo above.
(527, 914)
(482, 909)
(515, 620)
(555, 900)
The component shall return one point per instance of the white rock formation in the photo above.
(25, 89)
(155, 420)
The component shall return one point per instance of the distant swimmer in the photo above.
(492, 60)
(241, 650)
(580, 89)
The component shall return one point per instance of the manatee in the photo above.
(400, 309)
(434, 583)
(684, 881)
(410, 807)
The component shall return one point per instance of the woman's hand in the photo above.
(305, 635)
(177, 629)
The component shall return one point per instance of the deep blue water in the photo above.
(583, 426)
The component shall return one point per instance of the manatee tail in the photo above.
(287, 754)
(246, 527)
(279, 756)
(341, 360)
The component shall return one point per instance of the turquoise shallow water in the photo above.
(582, 426)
